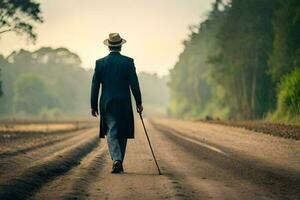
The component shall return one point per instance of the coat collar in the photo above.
(114, 53)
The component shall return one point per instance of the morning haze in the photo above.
(154, 29)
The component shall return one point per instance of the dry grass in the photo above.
(35, 127)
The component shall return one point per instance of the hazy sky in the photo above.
(154, 29)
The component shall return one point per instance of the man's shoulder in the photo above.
(100, 59)
(127, 58)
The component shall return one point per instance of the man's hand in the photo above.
(94, 113)
(140, 108)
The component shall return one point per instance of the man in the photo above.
(116, 74)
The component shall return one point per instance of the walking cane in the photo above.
(149, 143)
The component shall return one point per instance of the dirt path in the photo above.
(198, 161)
(92, 178)
(218, 162)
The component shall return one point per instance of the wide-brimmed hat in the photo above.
(114, 40)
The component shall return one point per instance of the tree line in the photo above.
(51, 82)
(242, 62)
(46, 81)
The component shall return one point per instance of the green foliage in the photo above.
(51, 82)
(233, 62)
(244, 39)
(18, 17)
(285, 61)
(3, 62)
(286, 54)
(31, 95)
(61, 74)
(288, 98)
(194, 93)
(1, 92)
(289, 93)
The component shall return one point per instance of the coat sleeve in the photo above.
(134, 84)
(95, 89)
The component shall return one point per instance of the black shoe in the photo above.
(122, 169)
(117, 167)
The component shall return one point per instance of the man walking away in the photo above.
(116, 74)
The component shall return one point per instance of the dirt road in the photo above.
(198, 161)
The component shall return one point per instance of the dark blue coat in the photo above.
(116, 74)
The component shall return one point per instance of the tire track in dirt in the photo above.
(35, 147)
(75, 183)
(272, 183)
(14, 143)
(21, 162)
(22, 185)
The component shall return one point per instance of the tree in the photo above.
(31, 95)
(245, 42)
(242, 56)
(19, 16)
(61, 71)
(2, 63)
(1, 92)
(285, 56)
(193, 93)
(285, 60)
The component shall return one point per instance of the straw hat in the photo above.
(114, 40)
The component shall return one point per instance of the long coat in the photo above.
(116, 74)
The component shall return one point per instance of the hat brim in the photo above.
(106, 42)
